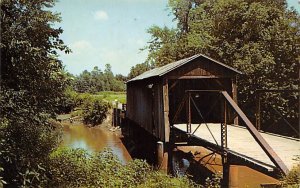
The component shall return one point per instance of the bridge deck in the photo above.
(241, 141)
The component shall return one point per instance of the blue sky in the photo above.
(111, 31)
(106, 31)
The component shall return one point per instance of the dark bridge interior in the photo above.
(209, 104)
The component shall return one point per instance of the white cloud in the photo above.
(122, 59)
(81, 46)
(100, 15)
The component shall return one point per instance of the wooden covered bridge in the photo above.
(194, 102)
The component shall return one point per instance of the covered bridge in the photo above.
(154, 96)
(180, 96)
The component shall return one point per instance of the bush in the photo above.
(77, 168)
(67, 102)
(26, 140)
(293, 178)
(94, 111)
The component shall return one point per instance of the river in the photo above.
(94, 139)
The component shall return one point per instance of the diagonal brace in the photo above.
(259, 139)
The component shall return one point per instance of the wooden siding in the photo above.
(144, 106)
(166, 110)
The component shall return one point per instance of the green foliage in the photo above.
(32, 81)
(2, 182)
(96, 80)
(138, 69)
(26, 140)
(214, 182)
(94, 111)
(110, 96)
(259, 38)
(77, 168)
(158, 179)
(29, 47)
(292, 180)
(67, 102)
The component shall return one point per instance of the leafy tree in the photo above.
(259, 38)
(94, 111)
(96, 80)
(28, 51)
(138, 69)
(120, 77)
(32, 81)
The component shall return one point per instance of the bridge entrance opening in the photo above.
(208, 103)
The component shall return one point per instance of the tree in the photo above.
(137, 70)
(96, 81)
(120, 77)
(259, 38)
(32, 81)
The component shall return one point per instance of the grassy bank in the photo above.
(111, 96)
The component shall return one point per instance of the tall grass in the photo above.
(111, 96)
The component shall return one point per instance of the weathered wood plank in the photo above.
(166, 110)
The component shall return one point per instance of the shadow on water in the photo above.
(203, 163)
(184, 163)
(94, 139)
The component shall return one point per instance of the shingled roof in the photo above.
(160, 71)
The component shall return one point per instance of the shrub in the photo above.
(77, 168)
(94, 111)
(293, 178)
(67, 102)
(25, 146)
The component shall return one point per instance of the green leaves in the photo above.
(32, 81)
(96, 80)
(28, 49)
(77, 168)
(94, 111)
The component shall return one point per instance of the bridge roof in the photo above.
(160, 71)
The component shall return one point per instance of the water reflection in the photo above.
(204, 163)
(94, 139)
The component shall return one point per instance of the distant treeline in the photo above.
(98, 80)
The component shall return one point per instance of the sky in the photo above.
(108, 31)
(111, 31)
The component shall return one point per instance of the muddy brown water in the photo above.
(240, 176)
(94, 139)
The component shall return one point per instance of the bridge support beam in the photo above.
(162, 156)
(234, 176)
(225, 162)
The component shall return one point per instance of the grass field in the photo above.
(111, 96)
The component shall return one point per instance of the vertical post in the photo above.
(224, 128)
(118, 117)
(112, 117)
(225, 162)
(189, 114)
(234, 176)
(258, 108)
(162, 157)
(166, 110)
(234, 96)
